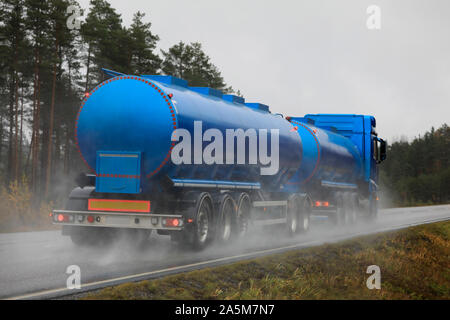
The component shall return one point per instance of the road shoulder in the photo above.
(413, 264)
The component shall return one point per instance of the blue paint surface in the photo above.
(118, 172)
(128, 116)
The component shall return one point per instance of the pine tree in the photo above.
(105, 38)
(72, 87)
(37, 24)
(62, 37)
(42, 79)
(419, 171)
(3, 73)
(13, 51)
(191, 63)
(142, 59)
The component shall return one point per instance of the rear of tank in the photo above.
(125, 126)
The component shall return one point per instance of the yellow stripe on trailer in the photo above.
(119, 205)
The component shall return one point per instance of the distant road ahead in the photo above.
(33, 264)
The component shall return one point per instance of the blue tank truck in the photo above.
(327, 166)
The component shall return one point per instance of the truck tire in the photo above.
(79, 236)
(178, 237)
(202, 231)
(373, 208)
(292, 215)
(91, 236)
(134, 237)
(351, 209)
(304, 215)
(340, 218)
(243, 212)
(226, 218)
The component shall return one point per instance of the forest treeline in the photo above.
(418, 172)
(47, 66)
(47, 63)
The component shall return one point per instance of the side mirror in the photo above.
(379, 150)
(383, 149)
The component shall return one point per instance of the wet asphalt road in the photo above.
(34, 264)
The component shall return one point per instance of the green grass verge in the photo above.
(414, 263)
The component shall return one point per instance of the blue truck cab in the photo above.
(361, 130)
(347, 157)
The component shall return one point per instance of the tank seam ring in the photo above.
(159, 90)
(318, 150)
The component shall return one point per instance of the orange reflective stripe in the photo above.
(119, 205)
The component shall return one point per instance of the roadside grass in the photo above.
(17, 214)
(414, 263)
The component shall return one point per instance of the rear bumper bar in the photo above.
(116, 219)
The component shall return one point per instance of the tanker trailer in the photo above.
(200, 165)
(339, 171)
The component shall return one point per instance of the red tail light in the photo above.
(322, 204)
(64, 218)
(172, 222)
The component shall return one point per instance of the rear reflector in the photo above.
(119, 205)
(63, 218)
(172, 222)
(322, 204)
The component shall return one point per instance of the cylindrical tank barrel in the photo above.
(328, 157)
(140, 114)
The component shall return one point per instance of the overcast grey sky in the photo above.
(318, 56)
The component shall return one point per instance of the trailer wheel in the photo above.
(202, 227)
(227, 217)
(304, 215)
(351, 209)
(134, 237)
(79, 237)
(178, 237)
(85, 236)
(292, 215)
(341, 215)
(242, 215)
(91, 236)
(373, 208)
